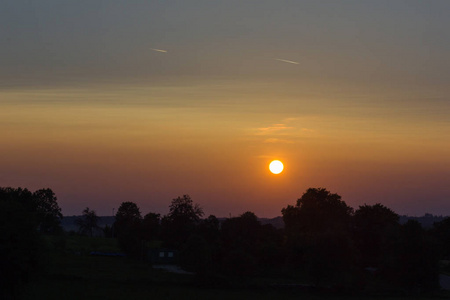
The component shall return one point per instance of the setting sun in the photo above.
(276, 167)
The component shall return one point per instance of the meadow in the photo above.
(71, 273)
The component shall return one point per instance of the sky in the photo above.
(352, 96)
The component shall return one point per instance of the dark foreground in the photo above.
(74, 274)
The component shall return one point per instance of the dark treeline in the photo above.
(324, 242)
(24, 217)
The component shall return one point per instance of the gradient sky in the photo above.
(91, 110)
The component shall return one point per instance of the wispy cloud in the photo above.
(308, 130)
(159, 50)
(288, 131)
(273, 129)
(279, 141)
(291, 119)
(287, 61)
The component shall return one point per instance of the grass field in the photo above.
(74, 274)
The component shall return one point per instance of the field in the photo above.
(74, 274)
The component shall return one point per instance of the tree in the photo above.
(375, 230)
(248, 248)
(441, 232)
(21, 246)
(183, 209)
(416, 263)
(271, 251)
(318, 210)
(127, 213)
(209, 229)
(128, 228)
(329, 259)
(48, 211)
(317, 233)
(151, 226)
(241, 238)
(195, 255)
(244, 230)
(88, 222)
(42, 204)
(181, 221)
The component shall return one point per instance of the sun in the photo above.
(276, 167)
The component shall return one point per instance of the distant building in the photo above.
(162, 256)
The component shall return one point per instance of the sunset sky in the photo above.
(352, 96)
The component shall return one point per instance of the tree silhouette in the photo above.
(88, 222)
(21, 247)
(323, 239)
(244, 230)
(151, 226)
(317, 235)
(42, 204)
(317, 210)
(441, 232)
(209, 229)
(128, 228)
(271, 251)
(195, 255)
(375, 230)
(416, 263)
(49, 213)
(241, 237)
(181, 221)
(128, 213)
(183, 210)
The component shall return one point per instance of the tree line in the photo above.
(24, 217)
(324, 241)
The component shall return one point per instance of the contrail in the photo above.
(287, 61)
(158, 50)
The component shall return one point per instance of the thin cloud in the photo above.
(273, 128)
(159, 50)
(290, 119)
(308, 130)
(280, 141)
(287, 61)
(283, 133)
